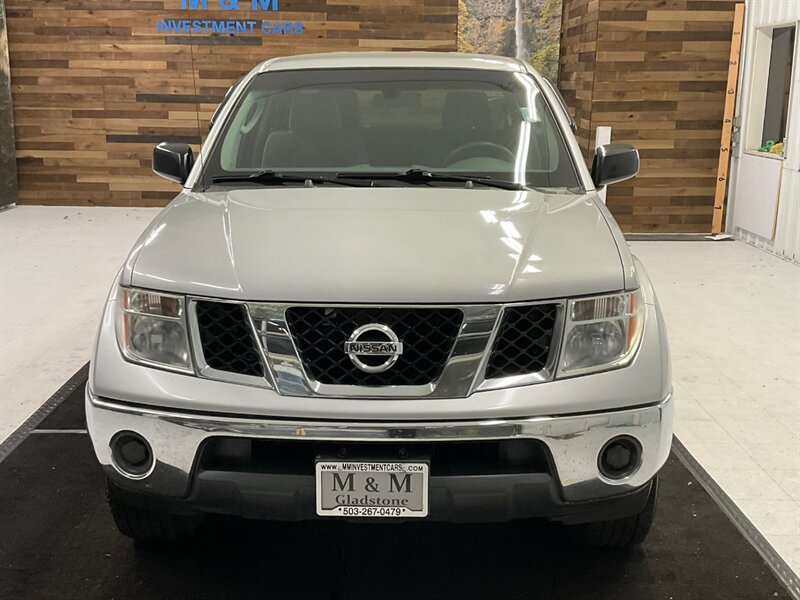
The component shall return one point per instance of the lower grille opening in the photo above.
(446, 458)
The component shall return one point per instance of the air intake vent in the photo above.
(523, 344)
(226, 338)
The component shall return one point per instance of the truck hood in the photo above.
(378, 245)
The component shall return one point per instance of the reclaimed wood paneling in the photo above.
(658, 79)
(577, 62)
(95, 86)
(8, 166)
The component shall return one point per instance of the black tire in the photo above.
(146, 524)
(619, 533)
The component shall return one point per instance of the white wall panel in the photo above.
(771, 13)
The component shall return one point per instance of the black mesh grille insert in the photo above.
(523, 343)
(227, 341)
(427, 334)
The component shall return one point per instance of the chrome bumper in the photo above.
(574, 441)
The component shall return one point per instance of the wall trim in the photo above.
(8, 154)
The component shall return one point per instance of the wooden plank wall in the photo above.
(577, 63)
(8, 165)
(659, 80)
(95, 86)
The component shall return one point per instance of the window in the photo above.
(464, 122)
(771, 87)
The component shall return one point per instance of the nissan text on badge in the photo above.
(388, 289)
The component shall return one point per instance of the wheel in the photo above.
(619, 533)
(147, 524)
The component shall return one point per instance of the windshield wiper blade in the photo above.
(422, 176)
(260, 177)
(269, 177)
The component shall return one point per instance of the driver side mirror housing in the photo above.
(173, 161)
(613, 163)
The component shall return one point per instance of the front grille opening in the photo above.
(447, 459)
(523, 343)
(427, 335)
(226, 338)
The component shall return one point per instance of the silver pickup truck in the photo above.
(388, 290)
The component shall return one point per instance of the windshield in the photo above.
(454, 122)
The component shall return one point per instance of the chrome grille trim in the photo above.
(551, 365)
(457, 378)
(203, 369)
(463, 373)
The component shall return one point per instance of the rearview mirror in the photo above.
(613, 163)
(173, 161)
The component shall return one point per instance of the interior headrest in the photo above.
(315, 113)
(466, 110)
(347, 100)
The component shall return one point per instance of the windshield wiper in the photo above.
(422, 176)
(270, 177)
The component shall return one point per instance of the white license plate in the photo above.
(372, 489)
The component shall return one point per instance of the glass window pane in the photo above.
(778, 86)
(459, 121)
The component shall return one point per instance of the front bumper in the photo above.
(572, 445)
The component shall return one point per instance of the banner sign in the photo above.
(231, 26)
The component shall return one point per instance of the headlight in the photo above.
(151, 329)
(601, 333)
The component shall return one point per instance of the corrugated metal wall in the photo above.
(764, 13)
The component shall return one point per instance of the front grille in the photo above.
(226, 339)
(427, 334)
(446, 459)
(522, 345)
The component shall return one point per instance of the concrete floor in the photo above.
(733, 312)
(56, 269)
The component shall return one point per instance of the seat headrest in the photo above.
(466, 111)
(347, 101)
(315, 113)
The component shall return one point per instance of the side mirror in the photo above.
(613, 163)
(173, 161)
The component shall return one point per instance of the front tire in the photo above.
(147, 524)
(619, 533)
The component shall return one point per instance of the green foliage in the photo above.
(487, 26)
(545, 31)
(550, 9)
(463, 18)
(545, 60)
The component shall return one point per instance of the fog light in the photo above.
(131, 453)
(620, 457)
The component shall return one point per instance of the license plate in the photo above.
(372, 489)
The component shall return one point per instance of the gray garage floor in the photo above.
(733, 314)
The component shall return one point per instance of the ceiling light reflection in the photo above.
(510, 230)
(489, 216)
(515, 245)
